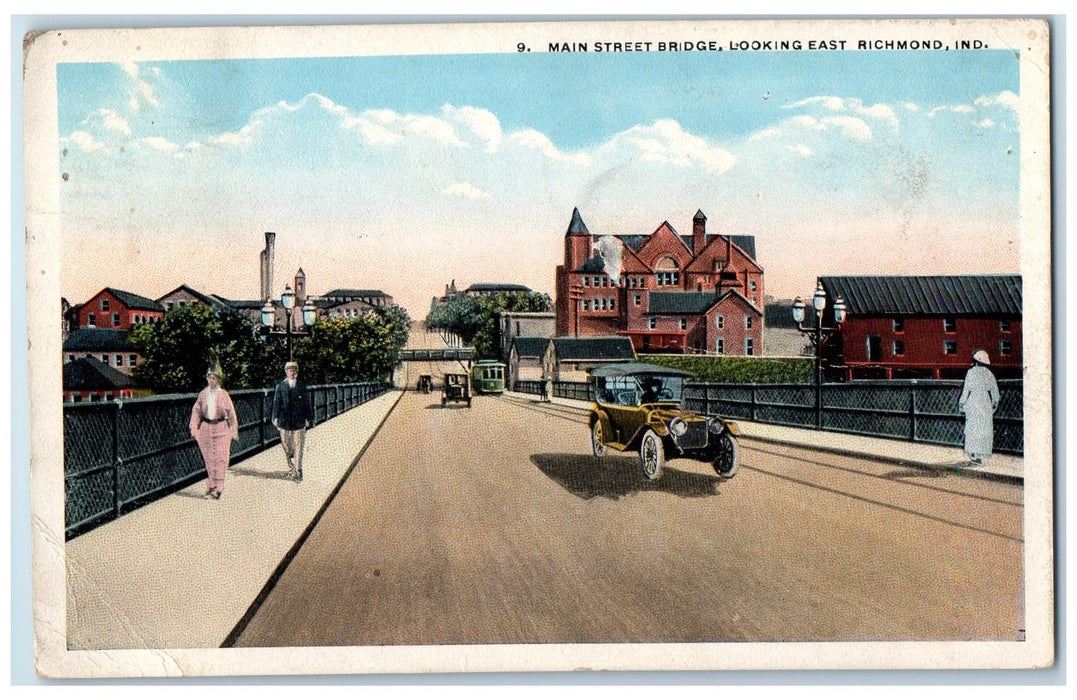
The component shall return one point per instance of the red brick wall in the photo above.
(104, 318)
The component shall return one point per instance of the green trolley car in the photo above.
(488, 377)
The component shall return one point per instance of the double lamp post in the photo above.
(818, 334)
(287, 302)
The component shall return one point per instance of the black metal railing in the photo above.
(916, 410)
(120, 455)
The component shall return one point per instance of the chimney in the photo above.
(699, 232)
(267, 272)
(300, 287)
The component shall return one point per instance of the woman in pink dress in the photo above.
(214, 427)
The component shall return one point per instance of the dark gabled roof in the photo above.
(497, 287)
(936, 295)
(240, 303)
(576, 226)
(356, 293)
(91, 339)
(689, 302)
(88, 374)
(530, 346)
(634, 241)
(680, 302)
(626, 368)
(133, 301)
(745, 243)
(210, 301)
(333, 303)
(593, 348)
(596, 263)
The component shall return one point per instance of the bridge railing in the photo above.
(920, 410)
(120, 455)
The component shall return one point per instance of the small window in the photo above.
(749, 346)
(115, 318)
(748, 321)
(90, 320)
(104, 359)
(899, 347)
(1004, 326)
(613, 303)
(637, 298)
(684, 323)
(652, 323)
(751, 285)
(719, 346)
(949, 347)
(899, 325)
(949, 325)
(132, 360)
(119, 360)
(1005, 346)
(719, 322)
(586, 304)
(874, 348)
(586, 281)
(104, 304)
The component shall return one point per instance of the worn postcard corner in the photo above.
(540, 346)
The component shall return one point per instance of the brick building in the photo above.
(910, 327)
(87, 379)
(117, 309)
(664, 291)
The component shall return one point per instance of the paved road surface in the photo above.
(495, 525)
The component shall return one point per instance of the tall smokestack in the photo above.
(267, 273)
(699, 232)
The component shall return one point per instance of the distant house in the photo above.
(571, 358)
(374, 297)
(525, 359)
(186, 296)
(486, 289)
(516, 324)
(108, 346)
(117, 309)
(89, 379)
(908, 327)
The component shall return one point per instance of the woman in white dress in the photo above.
(979, 400)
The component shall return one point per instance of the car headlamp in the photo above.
(678, 427)
(715, 425)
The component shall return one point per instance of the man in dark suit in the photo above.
(293, 413)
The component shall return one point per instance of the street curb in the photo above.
(905, 462)
(271, 582)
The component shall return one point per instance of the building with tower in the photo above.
(667, 292)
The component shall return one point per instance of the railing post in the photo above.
(116, 459)
(755, 412)
(262, 419)
(912, 412)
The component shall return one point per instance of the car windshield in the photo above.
(633, 390)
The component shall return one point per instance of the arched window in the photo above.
(667, 273)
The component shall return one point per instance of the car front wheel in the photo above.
(651, 455)
(597, 446)
(725, 458)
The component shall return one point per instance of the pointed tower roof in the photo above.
(699, 215)
(300, 273)
(576, 227)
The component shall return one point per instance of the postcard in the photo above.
(540, 346)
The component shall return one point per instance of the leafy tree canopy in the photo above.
(474, 319)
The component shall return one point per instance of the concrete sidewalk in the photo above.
(181, 572)
(914, 454)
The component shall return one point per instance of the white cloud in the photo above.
(536, 140)
(911, 107)
(130, 68)
(1006, 98)
(851, 126)
(800, 149)
(158, 144)
(481, 122)
(665, 141)
(880, 112)
(985, 123)
(243, 137)
(466, 190)
(110, 121)
(83, 141)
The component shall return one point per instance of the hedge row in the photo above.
(738, 369)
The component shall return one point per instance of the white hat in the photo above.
(981, 357)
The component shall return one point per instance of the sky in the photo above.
(403, 173)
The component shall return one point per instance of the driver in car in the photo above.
(651, 390)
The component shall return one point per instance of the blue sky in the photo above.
(403, 172)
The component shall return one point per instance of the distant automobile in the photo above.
(426, 383)
(638, 408)
(456, 388)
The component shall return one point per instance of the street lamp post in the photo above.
(287, 302)
(815, 334)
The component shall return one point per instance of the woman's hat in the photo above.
(981, 357)
(213, 372)
(290, 365)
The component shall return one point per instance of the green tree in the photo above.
(474, 319)
(349, 350)
(177, 351)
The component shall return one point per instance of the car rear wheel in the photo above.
(725, 458)
(597, 446)
(651, 455)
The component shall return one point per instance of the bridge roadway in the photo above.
(495, 525)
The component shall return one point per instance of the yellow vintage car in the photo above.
(638, 408)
